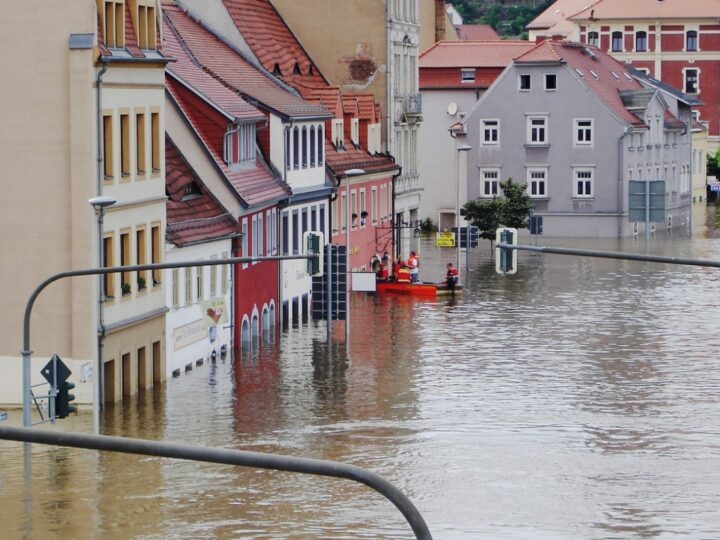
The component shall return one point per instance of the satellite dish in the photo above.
(452, 108)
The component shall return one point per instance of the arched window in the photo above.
(617, 42)
(287, 149)
(593, 39)
(640, 41)
(691, 40)
(313, 158)
(321, 146)
(296, 148)
(304, 148)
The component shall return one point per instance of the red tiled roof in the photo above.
(476, 32)
(648, 9)
(673, 122)
(469, 54)
(211, 89)
(254, 184)
(272, 41)
(236, 72)
(554, 20)
(196, 218)
(600, 72)
(355, 158)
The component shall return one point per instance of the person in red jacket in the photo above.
(451, 277)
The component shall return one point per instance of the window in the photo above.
(140, 141)
(338, 137)
(200, 279)
(489, 182)
(641, 41)
(285, 234)
(124, 145)
(108, 147)
(583, 183)
(537, 129)
(321, 147)
(691, 40)
(617, 42)
(188, 286)
(114, 24)
(125, 261)
(296, 147)
(313, 156)
(155, 247)
(691, 81)
(322, 219)
(550, 82)
(353, 209)
(344, 213)
(374, 205)
(304, 148)
(524, 82)
(175, 287)
(260, 243)
(355, 131)
(467, 75)
(156, 155)
(213, 277)
(593, 39)
(490, 130)
(363, 208)
(287, 149)
(537, 182)
(240, 144)
(254, 238)
(108, 261)
(583, 131)
(313, 219)
(244, 241)
(304, 223)
(140, 258)
(225, 273)
(295, 233)
(147, 37)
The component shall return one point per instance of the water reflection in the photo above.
(576, 399)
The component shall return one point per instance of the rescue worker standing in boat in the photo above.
(403, 273)
(414, 263)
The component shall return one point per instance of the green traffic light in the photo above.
(63, 406)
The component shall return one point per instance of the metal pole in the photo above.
(329, 297)
(457, 216)
(467, 249)
(647, 211)
(347, 260)
(229, 457)
(97, 379)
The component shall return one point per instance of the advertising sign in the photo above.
(445, 239)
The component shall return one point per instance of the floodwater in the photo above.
(579, 398)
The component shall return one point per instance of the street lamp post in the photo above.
(461, 148)
(348, 174)
(99, 204)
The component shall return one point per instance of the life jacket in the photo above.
(403, 275)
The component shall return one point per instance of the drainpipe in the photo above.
(389, 67)
(395, 229)
(621, 170)
(99, 376)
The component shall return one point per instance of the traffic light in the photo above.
(314, 245)
(506, 259)
(63, 406)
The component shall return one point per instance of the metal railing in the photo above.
(228, 457)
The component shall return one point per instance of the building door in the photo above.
(141, 369)
(126, 375)
(109, 381)
(157, 363)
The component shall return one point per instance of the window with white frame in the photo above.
(692, 80)
(240, 144)
(489, 182)
(550, 82)
(583, 131)
(355, 130)
(691, 40)
(537, 182)
(467, 75)
(244, 240)
(583, 182)
(490, 132)
(537, 129)
(374, 205)
(616, 45)
(641, 41)
(260, 243)
(593, 39)
(254, 233)
(338, 135)
(524, 83)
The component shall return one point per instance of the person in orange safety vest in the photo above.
(403, 273)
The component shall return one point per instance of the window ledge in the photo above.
(536, 145)
(539, 198)
(583, 198)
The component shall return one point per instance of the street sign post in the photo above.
(55, 371)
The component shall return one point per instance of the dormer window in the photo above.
(277, 71)
(146, 27)
(240, 144)
(296, 69)
(355, 131)
(338, 136)
(113, 23)
(192, 190)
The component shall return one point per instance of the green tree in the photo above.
(512, 210)
(713, 167)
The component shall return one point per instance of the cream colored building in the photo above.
(52, 162)
(374, 46)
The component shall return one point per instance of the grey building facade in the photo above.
(576, 126)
